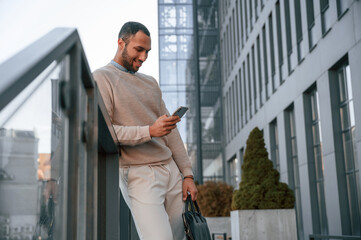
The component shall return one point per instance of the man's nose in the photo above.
(143, 56)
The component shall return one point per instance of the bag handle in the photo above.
(192, 204)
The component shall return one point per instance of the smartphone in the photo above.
(180, 111)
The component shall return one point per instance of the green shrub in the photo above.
(215, 199)
(260, 187)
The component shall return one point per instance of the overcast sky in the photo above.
(98, 22)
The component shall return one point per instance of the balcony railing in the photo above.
(59, 153)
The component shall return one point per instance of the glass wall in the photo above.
(189, 61)
(33, 160)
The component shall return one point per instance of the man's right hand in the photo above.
(163, 126)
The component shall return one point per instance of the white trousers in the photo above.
(154, 196)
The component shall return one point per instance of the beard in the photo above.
(127, 61)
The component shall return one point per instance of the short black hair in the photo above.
(131, 28)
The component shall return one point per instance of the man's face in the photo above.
(135, 52)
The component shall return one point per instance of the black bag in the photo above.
(195, 224)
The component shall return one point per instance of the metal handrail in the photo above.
(343, 237)
(20, 70)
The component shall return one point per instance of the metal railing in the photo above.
(344, 237)
(81, 197)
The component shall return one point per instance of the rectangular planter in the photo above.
(264, 224)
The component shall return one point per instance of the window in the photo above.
(228, 51)
(237, 103)
(288, 35)
(227, 118)
(241, 159)
(237, 27)
(325, 18)
(234, 110)
(234, 36)
(224, 104)
(230, 44)
(249, 88)
(230, 113)
(265, 61)
(241, 18)
(245, 93)
(250, 14)
(341, 8)
(246, 18)
(279, 40)
(298, 29)
(233, 165)
(270, 29)
(293, 167)
(259, 71)
(254, 81)
(310, 23)
(274, 145)
(222, 61)
(315, 166)
(345, 148)
(225, 59)
(240, 94)
(256, 8)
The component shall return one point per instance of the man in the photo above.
(153, 157)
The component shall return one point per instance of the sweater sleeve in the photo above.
(178, 149)
(127, 135)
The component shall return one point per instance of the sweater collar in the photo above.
(120, 67)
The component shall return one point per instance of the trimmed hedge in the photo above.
(260, 187)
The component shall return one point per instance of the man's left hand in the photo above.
(189, 186)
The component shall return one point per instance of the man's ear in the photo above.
(121, 44)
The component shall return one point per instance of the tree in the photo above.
(260, 187)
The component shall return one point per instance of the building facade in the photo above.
(190, 76)
(292, 68)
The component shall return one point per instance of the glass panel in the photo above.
(342, 86)
(348, 151)
(168, 73)
(32, 160)
(345, 124)
(353, 137)
(168, 45)
(349, 85)
(185, 46)
(233, 169)
(319, 163)
(313, 107)
(315, 134)
(167, 17)
(294, 147)
(185, 16)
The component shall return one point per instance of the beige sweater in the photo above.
(134, 102)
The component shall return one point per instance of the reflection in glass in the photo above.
(31, 159)
(348, 127)
(318, 166)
